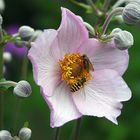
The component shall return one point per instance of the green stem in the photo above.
(94, 8)
(8, 83)
(1, 95)
(16, 114)
(118, 3)
(114, 12)
(18, 101)
(56, 133)
(77, 129)
(81, 4)
(106, 5)
(24, 68)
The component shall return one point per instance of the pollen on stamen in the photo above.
(72, 69)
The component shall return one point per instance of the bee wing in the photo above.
(91, 66)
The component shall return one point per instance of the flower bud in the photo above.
(5, 135)
(119, 18)
(123, 40)
(131, 13)
(2, 5)
(7, 57)
(26, 32)
(116, 30)
(22, 89)
(25, 133)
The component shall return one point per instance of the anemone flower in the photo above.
(78, 75)
(10, 47)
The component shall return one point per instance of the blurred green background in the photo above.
(44, 14)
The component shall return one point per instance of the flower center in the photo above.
(75, 70)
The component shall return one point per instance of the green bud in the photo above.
(26, 32)
(22, 89)
(2, 5)
(5, 135)
(7, 57)
(131, 13)
(122, 39)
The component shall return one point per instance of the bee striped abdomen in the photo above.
(78, 85)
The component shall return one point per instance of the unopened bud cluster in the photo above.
(27, 33)
(24, 134)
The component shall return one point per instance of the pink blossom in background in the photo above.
(57, 53)
(10, 47)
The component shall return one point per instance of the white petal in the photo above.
(71, 32)
(102, 95)
(105, 55)
(44, 55)
(62, 106)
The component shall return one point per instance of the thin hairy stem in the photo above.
(8, 83)
(94, 8)
(24, 68)
(118, 3)
(106, 5)
(115, 12)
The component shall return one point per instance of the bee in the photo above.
(87, 63)
(77, 85)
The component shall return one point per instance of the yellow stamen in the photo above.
(72, 68)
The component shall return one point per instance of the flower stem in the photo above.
(24, 68)
(16, 114)
(98, 12)
(56, 133)
(118, 3)
(1, 95)
(114, 12)
(106, 5)
(76, 133)
(8, 83)
(19, 101)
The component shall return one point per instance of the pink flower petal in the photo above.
(44, 55)
(102, 95)
(105, 55)
(61, 105)
(71, 32)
